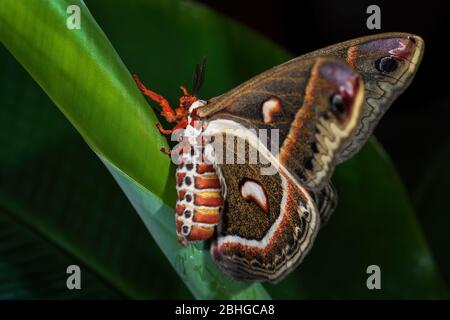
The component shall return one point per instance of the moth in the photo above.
(324, 106)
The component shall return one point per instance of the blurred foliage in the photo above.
(374, 224)
(431, 201)
(60, 206)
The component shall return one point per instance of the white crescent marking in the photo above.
(253, 191)
(269, 108)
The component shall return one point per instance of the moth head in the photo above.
(337, 93)
(186, 101)
(387, 62)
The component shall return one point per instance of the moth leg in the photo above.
(167, 112)
(181, 124)
(168, 152)
(185, 92)
(162, 130)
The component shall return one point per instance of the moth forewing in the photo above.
(387, 63)
(366, 55)
(330, 113)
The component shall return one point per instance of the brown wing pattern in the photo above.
(314, 103)
(324, 110)
(326, 201)
(369, 56)
(269, 222)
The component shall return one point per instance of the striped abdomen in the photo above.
(199, 201)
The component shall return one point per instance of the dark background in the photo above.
(416, 128)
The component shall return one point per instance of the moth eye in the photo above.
(386, 64)
(185, 104)
(337, 104)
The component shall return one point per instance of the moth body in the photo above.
(200, 199)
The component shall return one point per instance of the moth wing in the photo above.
(400, 52)
(326, 201)
(387, 63)
(269, 221)
(314, 105)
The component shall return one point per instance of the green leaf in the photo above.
(431, 202)
(59, 206)
(22, 248)
(88, 82)
(374, 224)
(162, 41)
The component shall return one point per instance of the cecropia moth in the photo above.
(323, 105)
